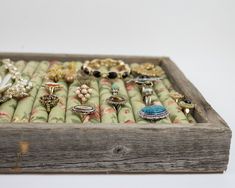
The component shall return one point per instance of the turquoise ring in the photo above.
(153, 112)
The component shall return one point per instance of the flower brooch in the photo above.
(62, 72)
(19, 89)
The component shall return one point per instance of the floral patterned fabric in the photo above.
(24, 107)
(125, 114)
(57, 113)
(169, 86)
(30, 109)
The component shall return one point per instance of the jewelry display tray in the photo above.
(201, 147)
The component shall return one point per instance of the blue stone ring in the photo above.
(153, 112)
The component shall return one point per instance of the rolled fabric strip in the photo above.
(57, 113)
(94, 100)
(24, 106)
(125, 114)
(136, 101)
(72, 100)
(175, 114)
(156, 101)
(39, 113)
(169, 86)
(107, 112)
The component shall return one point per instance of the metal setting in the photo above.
(83, 111)
(153, 112)
(49, 101)
(116, 100)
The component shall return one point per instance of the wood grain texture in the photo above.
(140, 148)
(114, 149)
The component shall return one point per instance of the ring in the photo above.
(176, 96)
(186, 105)
(140, 80)
(52, 86)
(116, 100)
(147, 91)
(153, 112)
(83, 111)
(49, 101)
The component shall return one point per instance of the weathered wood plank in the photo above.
(114, 149)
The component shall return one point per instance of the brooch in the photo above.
(83, 93)
(147, 69)
(50, 100)
(19, 89)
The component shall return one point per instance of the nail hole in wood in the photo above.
(119, 149)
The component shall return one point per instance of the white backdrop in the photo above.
(199, 35)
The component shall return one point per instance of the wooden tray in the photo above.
(106, 148)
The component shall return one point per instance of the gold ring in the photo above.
(49, 101)
(116, 100)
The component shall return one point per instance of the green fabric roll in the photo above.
(94, 100)
(57, 113)
(169, 86)
(24, 107)
(136, 101)
(39, 113)
(156, 101)
(108, 113)
(7, 109)
(125, 114)
(72, 100)
(176, 115)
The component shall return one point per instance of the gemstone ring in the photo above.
(153, 112)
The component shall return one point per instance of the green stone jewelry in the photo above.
(116, 100)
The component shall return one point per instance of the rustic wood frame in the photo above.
(74, 148)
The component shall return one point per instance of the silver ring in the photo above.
(83, 109)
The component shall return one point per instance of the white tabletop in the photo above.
(199, 35)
